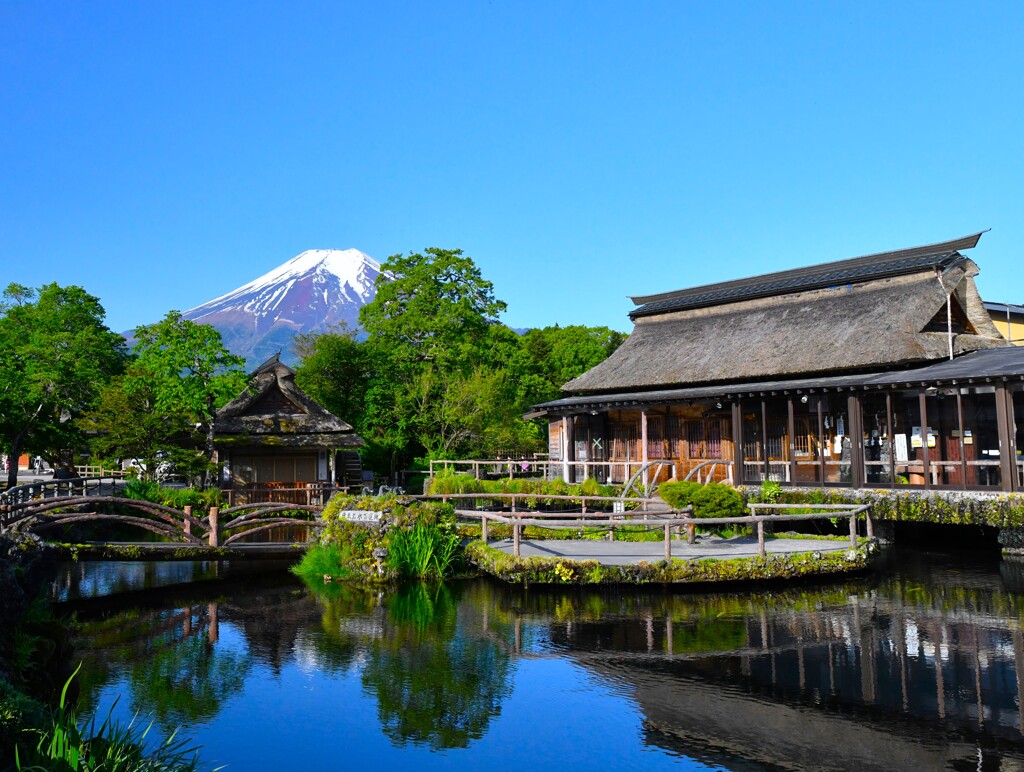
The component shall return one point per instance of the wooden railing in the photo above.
(50, 489)
(667, 520)
(94, 470)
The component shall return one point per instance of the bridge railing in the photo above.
(48, 489)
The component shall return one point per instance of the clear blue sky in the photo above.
(161, 154)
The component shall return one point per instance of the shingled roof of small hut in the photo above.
(868, 312)
(273, 406)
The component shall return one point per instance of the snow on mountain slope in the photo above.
(311, 292)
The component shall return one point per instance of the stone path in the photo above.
(621, 553)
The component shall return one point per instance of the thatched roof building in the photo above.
(274, 433)
(273, 411)
(870, 312)
(881, 370)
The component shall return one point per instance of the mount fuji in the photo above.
(311, 292)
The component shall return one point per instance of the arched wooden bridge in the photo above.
(220, 528)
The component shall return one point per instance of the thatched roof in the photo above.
(889, 311)
(274, 411)
(1004, 363)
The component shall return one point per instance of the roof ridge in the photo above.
(864, 268)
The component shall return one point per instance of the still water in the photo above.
(918, 666)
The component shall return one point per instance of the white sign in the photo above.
(901, 448)
(360, 515)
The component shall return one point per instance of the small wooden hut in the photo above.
(276, 443)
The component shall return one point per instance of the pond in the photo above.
(916, 667)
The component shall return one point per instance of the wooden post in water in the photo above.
(214, 527)
(483, 528)
(187, 526)
(869, 526)
(515, 539)
(853, 531)
(668, 542)
(760, 538)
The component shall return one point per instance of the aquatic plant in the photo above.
(423, 551)
(65, 743)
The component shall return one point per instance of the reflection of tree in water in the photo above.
(438, 681)
(175, 672)
(187, 681)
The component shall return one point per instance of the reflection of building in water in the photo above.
(872, 680)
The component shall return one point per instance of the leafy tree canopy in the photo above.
(432, 307)
(56, 353)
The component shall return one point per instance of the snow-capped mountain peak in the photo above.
(311, 292)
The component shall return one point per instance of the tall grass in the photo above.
(322, 560)
(66, 744)
(423, 551)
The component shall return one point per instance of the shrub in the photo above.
(717, 500)
(678, 494)
(454, 483)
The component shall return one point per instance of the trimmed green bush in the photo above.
(717, 500)
(679, 494)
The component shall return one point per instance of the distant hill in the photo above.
(312, 292)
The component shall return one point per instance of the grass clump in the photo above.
(423, 551)
(65, 743)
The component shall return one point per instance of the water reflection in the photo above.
(919, 667)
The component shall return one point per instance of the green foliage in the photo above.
(166, 401)
(717, 500)
(333, 560)
(18, 712)
(336, 371)
(454, 483)
(678, 494)
(56, 353)
(712, 500)
(178, 498)
(770, 492)
(65, 743)
(438, 375)
(423, 552)
(450, 483)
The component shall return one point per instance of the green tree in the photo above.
(187, 374)
(432, 307)
(56, 353)
(125, 423)
(335, 370)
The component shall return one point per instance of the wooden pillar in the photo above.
(856, 432)
(564, 442)
(821, 442)
(1011, 436)
(791, 428)
(892, 439)
(214, 527)
(766, 468)
(1007, 438)
(643, 446)
(960, 428)
(483, 528)
(187, 525)
(922, 400)
(570, 448)
(737, 443)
